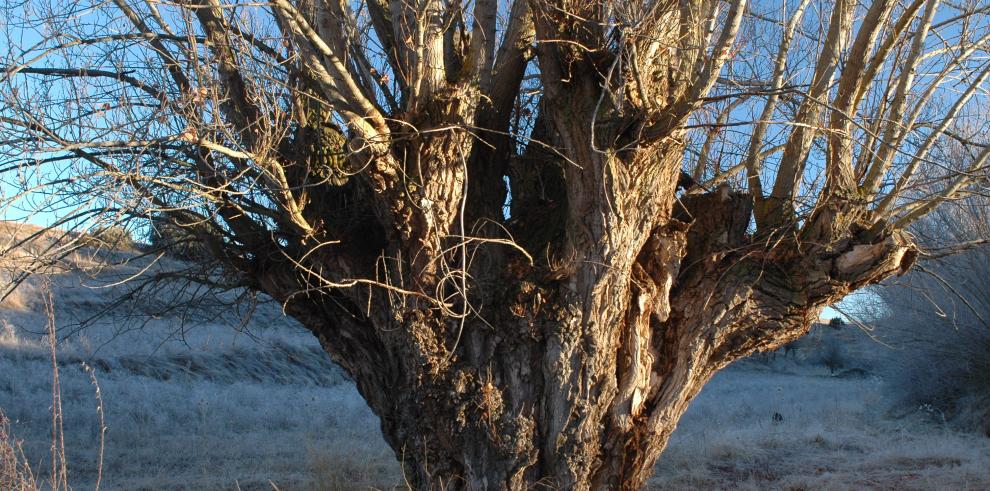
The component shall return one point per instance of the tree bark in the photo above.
(560, 347)
(573, 370)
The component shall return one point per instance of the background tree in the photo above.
(531, 231)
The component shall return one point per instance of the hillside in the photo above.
(197, 396)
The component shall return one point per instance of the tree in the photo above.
(529, 232)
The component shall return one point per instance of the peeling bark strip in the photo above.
(524, 242)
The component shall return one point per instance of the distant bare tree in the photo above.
(530, 231)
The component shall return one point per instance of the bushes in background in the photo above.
(179, 241)
(937, 321)
(112, 237)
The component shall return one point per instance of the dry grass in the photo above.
(16, 473)
(15, 470)
(22, 298)
(341, 470)
(833, 434)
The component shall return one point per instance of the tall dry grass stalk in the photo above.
(59, 478)
(15, 470)
(103, 425)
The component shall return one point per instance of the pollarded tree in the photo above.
(529, 232)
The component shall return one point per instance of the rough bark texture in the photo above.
(567, 365)
(573, 370)
(561, 346)
(557, 346)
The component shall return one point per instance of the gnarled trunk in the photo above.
(572, 370)
(561, 346)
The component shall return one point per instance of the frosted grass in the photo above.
(834, 434)
(203, 419)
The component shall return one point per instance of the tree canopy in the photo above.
(232, 114)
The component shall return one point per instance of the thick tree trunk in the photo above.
(574, 373)
(570, 364)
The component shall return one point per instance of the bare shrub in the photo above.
(831, 354)
(15, 471)
(936, 321)
(110, 237)
(177, 240)
(939, 362)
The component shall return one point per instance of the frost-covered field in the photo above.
(214, 407)
(834, 435)
(189, 404)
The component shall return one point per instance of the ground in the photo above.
(259, 405)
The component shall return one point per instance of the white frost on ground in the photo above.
(833, 435)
